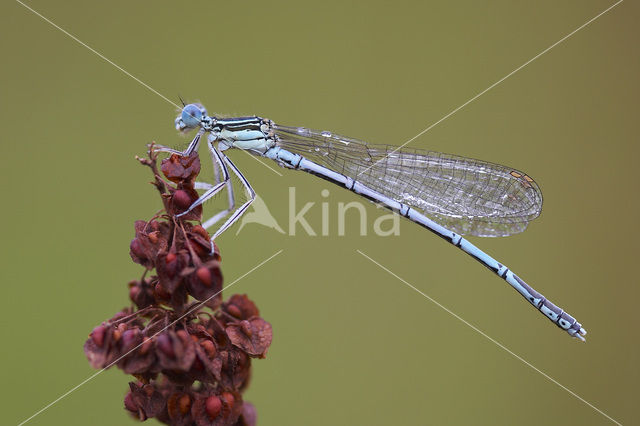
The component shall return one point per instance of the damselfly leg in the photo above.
(218, 165)
(193, 146)
(221, 173)
(242, 209)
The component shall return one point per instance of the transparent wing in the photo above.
(468, 196)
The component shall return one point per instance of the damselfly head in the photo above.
(190, 117)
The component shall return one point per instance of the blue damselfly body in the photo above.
(448, 194)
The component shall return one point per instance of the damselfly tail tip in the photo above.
(581, 333)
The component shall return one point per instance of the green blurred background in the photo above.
(352, 344)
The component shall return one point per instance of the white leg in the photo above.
(213, 220)
(214, 189)
(216, 169)
(230, 197)
(242, 209)
(214, 160)
(217, 166)
(202, 185)
(193, 146)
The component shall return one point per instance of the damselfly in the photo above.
(447, 194)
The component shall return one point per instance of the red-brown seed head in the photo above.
(213, 406)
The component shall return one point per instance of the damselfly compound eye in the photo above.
(191, 115)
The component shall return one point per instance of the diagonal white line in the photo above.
(101, 55)
(493, 85)
(500, 345)
(260, 161)
(198, 306)
(123, 70)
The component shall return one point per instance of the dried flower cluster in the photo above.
(191, 358)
